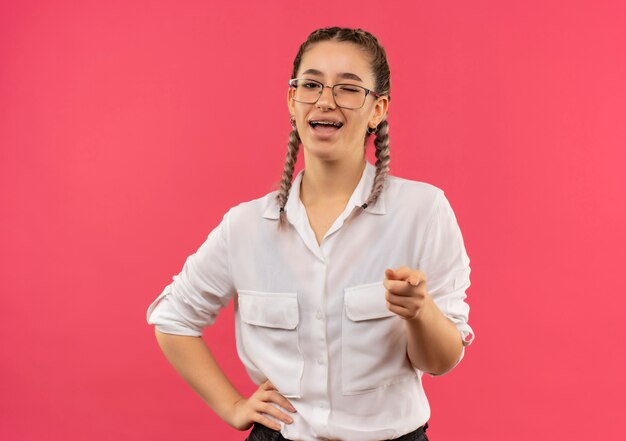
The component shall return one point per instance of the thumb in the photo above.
(391, 274)
(401, 273)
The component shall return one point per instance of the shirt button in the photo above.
(320, 361)
(319, 314)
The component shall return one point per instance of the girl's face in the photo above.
(332, 62)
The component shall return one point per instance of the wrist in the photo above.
(426, 312)
(227, 410)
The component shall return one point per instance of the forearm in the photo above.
(433, 343)
(193, 360)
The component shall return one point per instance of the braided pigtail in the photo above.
(382, 165)
(285, 184)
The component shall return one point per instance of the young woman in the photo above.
(348, 283)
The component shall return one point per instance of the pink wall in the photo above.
(120, 122)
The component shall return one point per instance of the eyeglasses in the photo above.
(347, 96)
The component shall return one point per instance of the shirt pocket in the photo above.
(270, 337)
(373, 339)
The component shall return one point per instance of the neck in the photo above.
(330, 182)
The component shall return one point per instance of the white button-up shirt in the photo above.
(313, 318)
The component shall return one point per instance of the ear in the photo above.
(380, 110)
(290, 105)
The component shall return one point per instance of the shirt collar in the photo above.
(358, 197)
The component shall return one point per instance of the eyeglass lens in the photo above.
(346, 95)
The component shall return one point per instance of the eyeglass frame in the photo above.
(367, 92)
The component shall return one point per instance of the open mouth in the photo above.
(331, 124)
(325, 128)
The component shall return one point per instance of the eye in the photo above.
(310, 84)
(349, 89)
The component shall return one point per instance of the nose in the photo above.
(326, 100)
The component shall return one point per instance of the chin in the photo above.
(321, 150)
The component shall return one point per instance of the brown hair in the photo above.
(380, 68)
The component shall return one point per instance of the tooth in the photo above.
(327, 123)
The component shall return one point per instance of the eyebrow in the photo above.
(345, 75)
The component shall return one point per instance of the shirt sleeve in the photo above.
(446, 265)
(197, 294)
